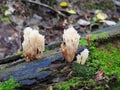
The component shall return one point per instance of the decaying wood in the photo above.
(10, 59)
(108, 32)
(32, 72)
(20, 58)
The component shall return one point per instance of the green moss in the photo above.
(83, 71)
(109, 59)
(68, 84)
(83, 42)
(77, 82)
(94, 5)
(99, 36)
(20, 53)
(46, 49)
(105, 57)
(90, 5)
(116, 87)
(101, 7)
(5, 19)
(9, 85)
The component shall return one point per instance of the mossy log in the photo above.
(34, 71)
(106, 33)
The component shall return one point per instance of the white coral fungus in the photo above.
(33, 44)
(82, 57)
(70, 43)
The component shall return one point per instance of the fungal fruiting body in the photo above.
(70, 43)
(82, 57)
(33, 44)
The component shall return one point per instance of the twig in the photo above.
(44, 5)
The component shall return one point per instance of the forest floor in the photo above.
(51, 17)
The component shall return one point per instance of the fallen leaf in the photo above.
(64, 4)
(71, 11)
(108, 22)
(83, 22)
(101, 15)
(97, 11)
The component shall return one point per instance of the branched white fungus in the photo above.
(82, 57)
(33, 44)
(70, 43)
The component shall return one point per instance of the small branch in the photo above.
(44, 5)
(10, 59)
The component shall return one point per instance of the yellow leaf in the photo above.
(71, 11)
(101, 16)
(64, 4)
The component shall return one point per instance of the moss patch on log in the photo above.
(106, 58)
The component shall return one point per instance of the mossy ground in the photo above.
(105, 57)
(109, 59)
(11, 84)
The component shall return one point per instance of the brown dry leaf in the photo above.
(99, 76)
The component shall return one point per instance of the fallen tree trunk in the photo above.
(32, 72)
(107, 33)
